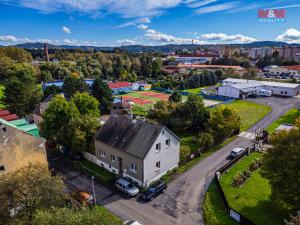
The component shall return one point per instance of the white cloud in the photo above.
(125, 8)
(290, 35)
(66, 30)
(196, 4)
(215, 8)
(125, 42)
(8, 38)
(133, 23)
(237, 38)
(157, 36)
(142, 27)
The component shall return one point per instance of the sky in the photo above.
(145, 22)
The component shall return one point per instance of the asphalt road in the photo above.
(181, 204)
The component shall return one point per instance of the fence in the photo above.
(234, 214)
(163, 90)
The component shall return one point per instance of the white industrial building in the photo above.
(241, 88)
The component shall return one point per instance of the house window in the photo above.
(103, 153)
(2, 169)
(158, 147)
(112, 158)
(168, 143)
(4, 129)
(157, 165)
(133, 167)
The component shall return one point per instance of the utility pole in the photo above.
(94, 194)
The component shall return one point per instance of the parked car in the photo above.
(83, 198)
(236, 152)
(127, 187)
(154, 190)
(132, 222)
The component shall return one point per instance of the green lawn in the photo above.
(1, 96)
(193, 90)
(95, 170)
(213, 209)
(252, 199)
(289, 117)
(249, 112)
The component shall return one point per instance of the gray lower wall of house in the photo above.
(126, 160)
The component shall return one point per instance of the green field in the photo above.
(1, 96)
(249, 112)
(252, 199)
(214, 211)
(289, 117)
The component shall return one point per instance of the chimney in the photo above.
(46, 52)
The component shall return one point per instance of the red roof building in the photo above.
(4, 112)
(10, 117)
(294, 67)
(113, 85)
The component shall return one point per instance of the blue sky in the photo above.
(147, 22)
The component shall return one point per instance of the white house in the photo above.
(140, 151)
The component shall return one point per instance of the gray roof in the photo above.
(134, 137)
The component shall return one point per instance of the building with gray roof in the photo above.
(136, 149)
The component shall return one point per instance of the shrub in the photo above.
(185, 153)
(255, 164)
(247, 173)
(239, 179)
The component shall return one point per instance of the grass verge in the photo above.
(289, 117)
(252, 199)
(249, 112)
(95, 170)
(213, 209)
(2, 106)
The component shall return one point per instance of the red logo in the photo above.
(271, 13)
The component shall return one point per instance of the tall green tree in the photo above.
(103, 94)
(281, 167)
(17, 54)
(224, 121)
(175, 97)
(56, 120)
(74, 83)
(95, 216)
(27, 189)
(86, 104)
(21, 91)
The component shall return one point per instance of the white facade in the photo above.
(168, 156)
(235, 88)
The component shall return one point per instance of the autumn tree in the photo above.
(281, 167)
(27, 189)
(21, 91)
(74, 83)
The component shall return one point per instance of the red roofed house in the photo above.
(6, 115)
(120, 87)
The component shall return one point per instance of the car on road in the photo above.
(132, 222)
(154, 190)
(127, 187)
(83, 198)
(236, 152)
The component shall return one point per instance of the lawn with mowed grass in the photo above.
(289, 117)
(214, 210)
(252, 199)
(249, 112)
(2, 106)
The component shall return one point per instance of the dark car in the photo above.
(154, 190)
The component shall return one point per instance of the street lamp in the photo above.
(94, 194)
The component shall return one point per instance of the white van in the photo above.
(236, 152)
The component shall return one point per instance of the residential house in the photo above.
(19, 147)
(120, 87)
(135, 149)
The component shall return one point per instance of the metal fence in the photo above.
(234, 214)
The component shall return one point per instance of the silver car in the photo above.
(127, 187)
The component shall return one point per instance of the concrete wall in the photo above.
(18, 148)
(229, 91)
(116, 91)
(168, 157)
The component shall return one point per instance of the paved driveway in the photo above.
(181, 204)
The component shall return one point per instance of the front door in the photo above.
(120, 166)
